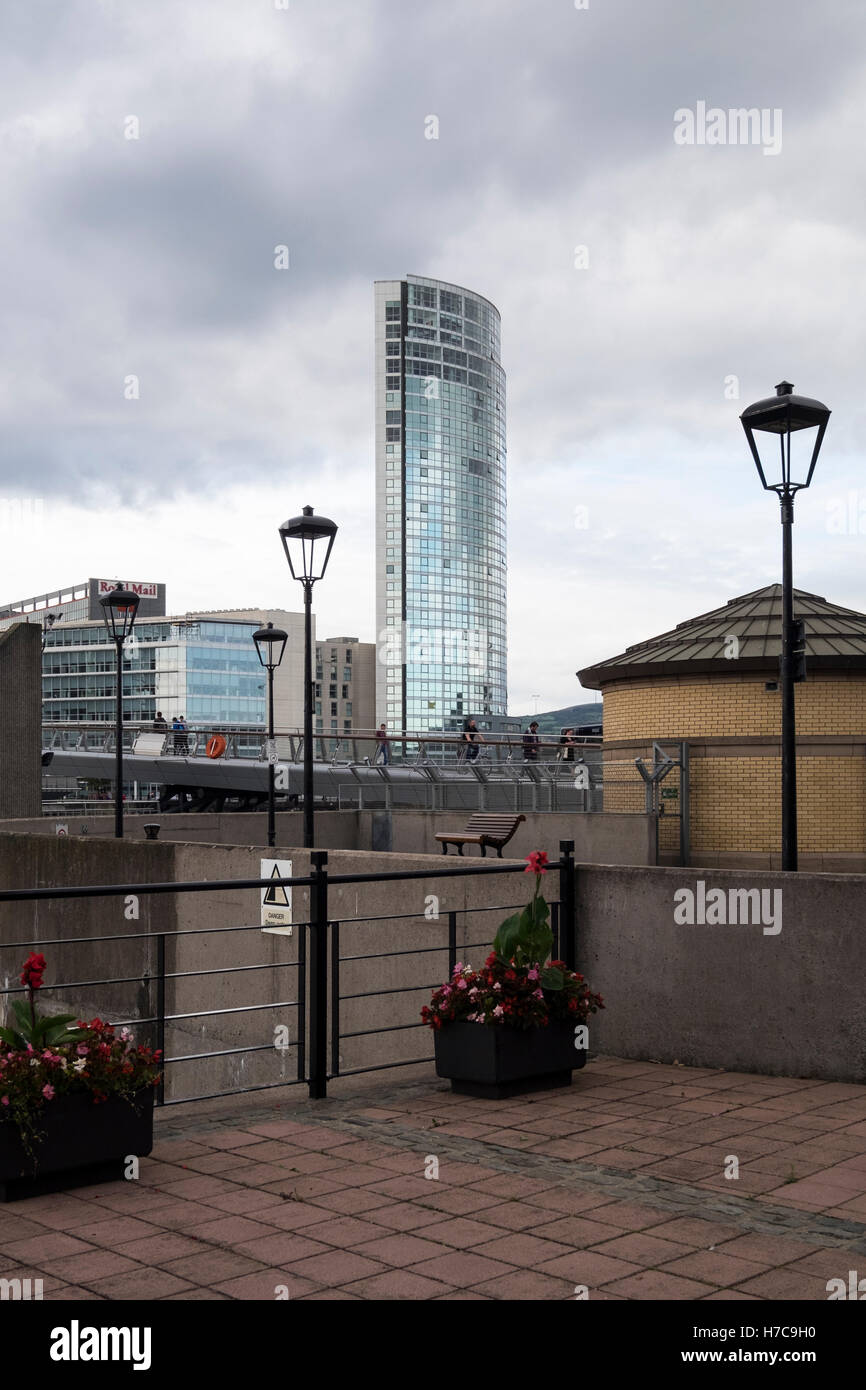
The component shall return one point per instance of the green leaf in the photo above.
(552, 977)
(538, 910)
(508, 937)
(57, 1020)
(57, 1031)
(14, 1039)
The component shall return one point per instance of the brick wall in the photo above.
(733, 726)
(682, 707)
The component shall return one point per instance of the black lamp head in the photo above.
(307, 540)
(119, 608)
(270, 644)
(784, 415)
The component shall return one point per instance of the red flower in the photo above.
(34, 969)
(536, 863)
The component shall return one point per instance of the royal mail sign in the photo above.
(107, 586)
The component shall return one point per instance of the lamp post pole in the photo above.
(308, 540)
(308, 715)
(270, 644)
(789, 744)
(118, 744)
(272, 819)
(119, 607)
(783, 416)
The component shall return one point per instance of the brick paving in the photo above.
(616, 1184)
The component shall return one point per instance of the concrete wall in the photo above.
(21, 720)
(28, 861)
(732, 996)
(599, 838)
(728, 996)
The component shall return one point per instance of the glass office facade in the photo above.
(206, 670)
(440, 503)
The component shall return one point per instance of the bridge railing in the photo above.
(354, 747)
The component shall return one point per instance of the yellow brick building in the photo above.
(712, 683)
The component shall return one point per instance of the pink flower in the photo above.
(497, 985)
(4, 1100)
(473, 993)
(82, 1050)
(498, 1011)
(532, 974)
(458, 967)
(461, 984)
(48, 1092)
(538, 994)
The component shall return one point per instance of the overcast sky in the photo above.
(708, 269)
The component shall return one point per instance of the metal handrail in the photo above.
(319, 998)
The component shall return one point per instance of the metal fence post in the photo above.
(567, 922)
(335, 998)
(452, 942)
(318, 1000)
(160, 1013)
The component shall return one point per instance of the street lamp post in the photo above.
(48, 621)
(119, 609)
(307, 541)
(784, 415)
(270, 644)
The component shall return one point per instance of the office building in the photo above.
(80, 602)
(203, 665)
(440, 507)
(345, 694)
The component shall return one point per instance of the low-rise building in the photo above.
(713, 683)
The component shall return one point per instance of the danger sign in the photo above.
(276, 896)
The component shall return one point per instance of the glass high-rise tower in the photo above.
(440, 507)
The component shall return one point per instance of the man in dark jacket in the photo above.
(531, 743)
(472, 736)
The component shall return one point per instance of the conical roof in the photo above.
(835, 641)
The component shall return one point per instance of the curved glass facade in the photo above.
(440, 507)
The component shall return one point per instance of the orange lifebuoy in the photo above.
(216, 746)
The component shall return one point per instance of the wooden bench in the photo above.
(483, 830)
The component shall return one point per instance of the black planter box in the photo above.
(483, 1059)
(83, 1143)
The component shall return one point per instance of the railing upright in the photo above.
(318, 1001)
(567, 896)
(160, 1013)
(302, 1001)
(335, 998)
(452, 942)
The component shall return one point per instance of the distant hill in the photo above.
(553, 720)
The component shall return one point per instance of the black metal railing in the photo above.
(320, 964)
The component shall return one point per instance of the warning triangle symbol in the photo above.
(276, 895)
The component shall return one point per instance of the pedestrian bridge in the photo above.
(429, 771)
